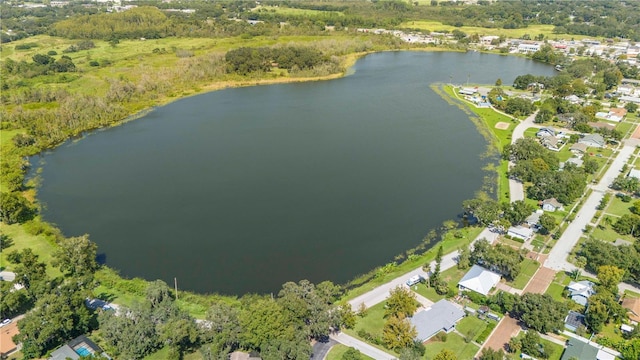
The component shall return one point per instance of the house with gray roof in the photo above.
(574, 320)
(479, 279)
(520, 232)
(578, 148)
(577, 349)
(551, 205)
(581, 291)
(441, 316)
(593, 140)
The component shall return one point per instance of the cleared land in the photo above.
(532, 30)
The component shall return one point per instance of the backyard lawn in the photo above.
(553, 350)
(471, 327)
(373, 322)
(455, 343)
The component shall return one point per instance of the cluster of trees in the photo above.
(490, 212)
(539, 166)
(515, 106)
(246, 60)
(530, 344)
(538, 312)
(603, 306)
(500, 258)
(42, 64)
(600, 253)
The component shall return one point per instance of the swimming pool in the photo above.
(83, 351)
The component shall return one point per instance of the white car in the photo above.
(5, 322)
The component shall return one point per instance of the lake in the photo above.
(241, 190)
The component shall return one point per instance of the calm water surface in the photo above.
(241, 190)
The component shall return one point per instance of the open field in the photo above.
(39, 244)
(528, 267)
(532, 30)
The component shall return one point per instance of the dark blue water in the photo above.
(241, 190)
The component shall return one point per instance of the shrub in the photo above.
(52, 53)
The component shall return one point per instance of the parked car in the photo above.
(5, 322)
(414, 280)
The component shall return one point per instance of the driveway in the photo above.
(321, 349)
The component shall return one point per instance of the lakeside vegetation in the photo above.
(55, 88)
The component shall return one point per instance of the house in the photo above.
(601, 125)
(634, 173)
(633, 306)
(592, 140)
(551, 142)
(578, 148)
(628, 99)
(441, 316)
(581, 291)
(467, 91)
(577, 349)
(528, 47)
(574, 99)
(575, 161)
(479, 279)
(520, 232)
(533, 220)
(77, 348)
(7, 332)
(614, 114)
(551, 205)
(546, 132)
(574, 320)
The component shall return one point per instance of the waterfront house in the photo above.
(479, 279)
(520, 232)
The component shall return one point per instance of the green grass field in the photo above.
(39, 244)
(455, 343)
(337, 351)
(532, 30)
(528, 267)
(471, 327)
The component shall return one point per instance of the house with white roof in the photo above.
(479, 279)
(520, 232)
(581, 291)
(593, 140)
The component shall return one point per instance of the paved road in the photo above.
(361, 346)
(558, 256)
(380, 293)
(321, 349)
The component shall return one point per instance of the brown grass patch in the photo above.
(502, 125)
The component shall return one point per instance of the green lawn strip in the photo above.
(471, 327)
(625, 127)
(503, 182)
(449, 244)
(528, 267)
(632, 293)
(455, 343)
(337, 351)
(487, 331)
(39, 244)
(427, 292)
